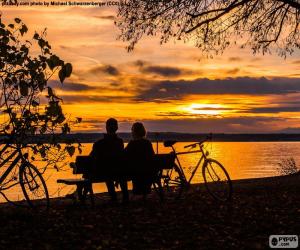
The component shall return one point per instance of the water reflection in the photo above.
(241, 160)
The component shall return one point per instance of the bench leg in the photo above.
(159, 189)
(92, 195)
(81, 192)
(88, 189)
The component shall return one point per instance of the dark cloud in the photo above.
(235, 59)
(188, 114)
(70, 86)
(107, 69)
(166, 71)
(211, 108)
(70, 99)
(256, 59)
(215, 125)
(274, 109)
(179, 114)
(140, 63)
(235, 86)
(291, 130)
(111, 70)
(233, 71)
(260, 110)
(163, 71)
(105, 17)
(294, 75)
(205, 125)
(64, 47)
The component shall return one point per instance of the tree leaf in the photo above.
(23, 88)
(36, 36)
(34, 103)
(23, 29)
(61, 75)
(17, 20)
(68, 69)
(70, 150)
(53, 61)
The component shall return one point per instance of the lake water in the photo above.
(241, 160)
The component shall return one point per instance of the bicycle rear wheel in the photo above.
(33, 186)
(173, 180)
(217, 180)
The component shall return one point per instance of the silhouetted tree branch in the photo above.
(28, 105)
(214, 24)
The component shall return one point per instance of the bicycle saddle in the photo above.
(169, 143)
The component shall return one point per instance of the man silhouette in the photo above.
(107, 152)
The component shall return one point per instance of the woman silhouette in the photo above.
(140, 154)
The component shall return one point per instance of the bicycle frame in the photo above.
(203, 157)
(30, 179)
(12, 165)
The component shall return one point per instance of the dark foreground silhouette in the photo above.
(259, 208)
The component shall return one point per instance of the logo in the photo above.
(283, 241)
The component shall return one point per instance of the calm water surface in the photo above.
(241, 159)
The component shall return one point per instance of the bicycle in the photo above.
(216, 178)
(30, 179)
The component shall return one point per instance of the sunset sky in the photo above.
(169, 87)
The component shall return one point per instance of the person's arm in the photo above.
(120, 150)
(121, 144)
(93, 152)
(151, 148)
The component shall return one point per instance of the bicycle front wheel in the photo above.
(217, 180)
(33, 186)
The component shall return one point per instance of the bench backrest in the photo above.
(164, 161)
(84, 164)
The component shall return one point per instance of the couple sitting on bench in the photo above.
(132, 162)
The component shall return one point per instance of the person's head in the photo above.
(111, 126)
(138, 130)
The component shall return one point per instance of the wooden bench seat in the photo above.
(73, 181)
(84, 185)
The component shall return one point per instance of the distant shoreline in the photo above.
(184, 137)
(180, 137)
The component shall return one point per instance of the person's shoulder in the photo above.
(130, 142)
(146, 140)
(99, 141)
(119, 139)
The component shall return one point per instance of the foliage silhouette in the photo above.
(29, 108)
(214, 25)
(287, 166)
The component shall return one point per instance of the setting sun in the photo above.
(205, 109)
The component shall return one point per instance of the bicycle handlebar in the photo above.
(199, 143)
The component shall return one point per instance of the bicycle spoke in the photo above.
(217, 180)
(172, 180)
(34, 186)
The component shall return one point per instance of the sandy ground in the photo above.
(259, 208)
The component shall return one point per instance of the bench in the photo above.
(83, 165)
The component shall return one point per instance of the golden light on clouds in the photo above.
(205, 109)
(164, 86)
